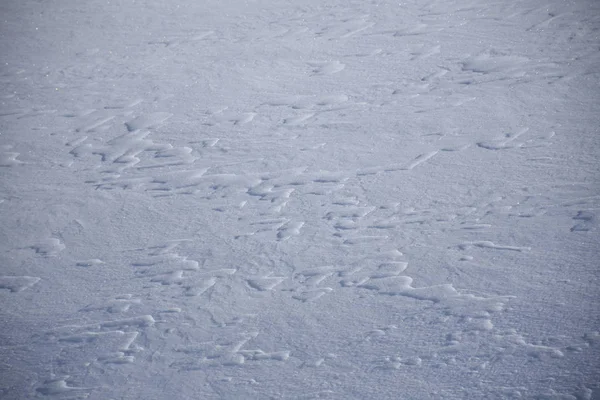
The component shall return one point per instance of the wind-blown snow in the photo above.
(299, 199)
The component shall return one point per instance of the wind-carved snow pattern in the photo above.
(231, 199)
(17, 283)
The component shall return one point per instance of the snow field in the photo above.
(291, 199)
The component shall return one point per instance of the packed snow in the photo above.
(300, 199)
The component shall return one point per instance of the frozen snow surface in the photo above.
(299, 199)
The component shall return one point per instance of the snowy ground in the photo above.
(299, 199)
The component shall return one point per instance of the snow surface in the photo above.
(299, 199)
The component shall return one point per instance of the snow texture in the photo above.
(299, 199)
